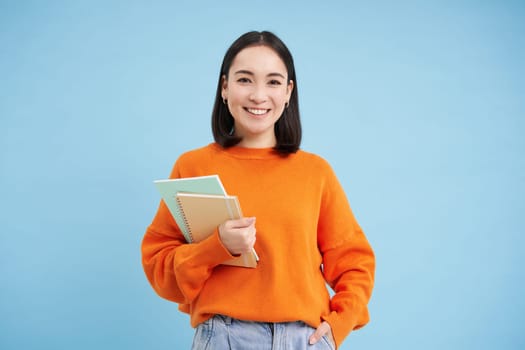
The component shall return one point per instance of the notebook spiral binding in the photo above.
(186, 229)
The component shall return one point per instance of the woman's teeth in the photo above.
(257, 111)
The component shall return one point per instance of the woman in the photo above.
(298, 220)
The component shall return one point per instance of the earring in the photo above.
(225, 101)
(286, 105)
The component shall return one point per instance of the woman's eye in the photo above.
(274, 82)
(243, 80)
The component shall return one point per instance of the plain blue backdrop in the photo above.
(418, 105)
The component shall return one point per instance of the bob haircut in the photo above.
(288, 128)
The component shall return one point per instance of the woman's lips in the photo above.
(257, 111)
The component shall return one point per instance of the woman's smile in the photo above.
(257, 111)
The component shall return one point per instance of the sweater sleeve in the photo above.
(177, 270)
(348, 262)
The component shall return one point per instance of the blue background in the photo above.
(418, 105)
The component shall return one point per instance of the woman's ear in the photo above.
(224, 90)
(289, 89)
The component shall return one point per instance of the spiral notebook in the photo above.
(203, 213)
(210, 184)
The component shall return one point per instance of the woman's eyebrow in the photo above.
(276, 75)
(243, 71)
(247, 72)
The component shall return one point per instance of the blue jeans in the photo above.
(223, 333)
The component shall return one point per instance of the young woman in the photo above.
(298, 220)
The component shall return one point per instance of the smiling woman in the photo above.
(306, 234)
(257, 90)
(270, 73)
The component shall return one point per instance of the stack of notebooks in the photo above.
(199, 205)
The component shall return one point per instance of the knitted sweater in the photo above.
(306, 235)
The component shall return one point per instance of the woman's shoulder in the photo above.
(313, 159)
(195, 156)
(316, 164)
(197, 153)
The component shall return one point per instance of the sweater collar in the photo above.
(247, 153)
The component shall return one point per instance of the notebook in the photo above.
(169, 188)
(203, 213)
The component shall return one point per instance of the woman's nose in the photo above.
(258, 95)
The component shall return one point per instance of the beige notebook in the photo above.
(203, 213)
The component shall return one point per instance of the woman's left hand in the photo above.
(323, 329)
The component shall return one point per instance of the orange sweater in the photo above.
(306, 235)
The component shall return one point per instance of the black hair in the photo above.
(288, 128)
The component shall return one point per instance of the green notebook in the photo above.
(169, 188)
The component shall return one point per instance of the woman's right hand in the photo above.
(238, 236)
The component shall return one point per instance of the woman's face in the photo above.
(257, 89)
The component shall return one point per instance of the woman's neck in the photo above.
(258, 142)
